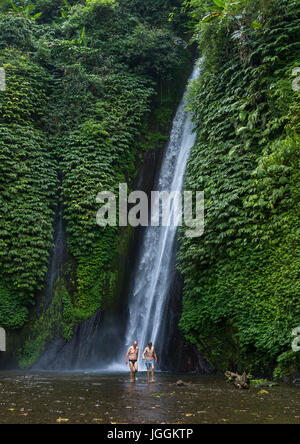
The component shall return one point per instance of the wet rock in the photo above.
(240, 381)
(263, 392)
(180, 383)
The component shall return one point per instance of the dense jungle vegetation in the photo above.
(91, 86)
(242, 288)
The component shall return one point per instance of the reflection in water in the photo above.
(27, 398)
(132, 389)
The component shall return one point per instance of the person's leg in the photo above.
(148, 371)
(131, 372)
(153, 373)
(136, 369)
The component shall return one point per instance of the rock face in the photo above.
(2, 340)
(63, 355)
(296, 380)
(2, 79)
(90, 346)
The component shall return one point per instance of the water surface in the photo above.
(32, 398)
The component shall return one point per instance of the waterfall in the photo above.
(98, 344)
(150, 292)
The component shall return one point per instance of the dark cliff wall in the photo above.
(241, 293)
(90, 89)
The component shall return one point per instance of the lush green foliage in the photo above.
(27, 182)
(241, 297)
(90, 86)
(15, 31)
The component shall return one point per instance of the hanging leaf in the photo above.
(220, 3)
(210, 17)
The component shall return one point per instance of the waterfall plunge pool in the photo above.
(95, 398)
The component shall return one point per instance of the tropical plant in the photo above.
(25, 11)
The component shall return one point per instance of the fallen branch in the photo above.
(240, 381)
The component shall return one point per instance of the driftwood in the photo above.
(240, 381)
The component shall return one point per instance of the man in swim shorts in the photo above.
(133, 354)
(150, 356)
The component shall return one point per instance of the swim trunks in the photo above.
(149, 364)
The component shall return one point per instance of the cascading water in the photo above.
(98, 345)
(156, 264)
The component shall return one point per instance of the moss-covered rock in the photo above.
(241, 295)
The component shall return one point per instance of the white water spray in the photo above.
(155, 271)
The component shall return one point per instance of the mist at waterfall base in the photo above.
(101, 344)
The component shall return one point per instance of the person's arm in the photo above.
(126, 361)
(154, 352)
(144, 353)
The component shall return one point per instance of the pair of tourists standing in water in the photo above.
(149, 355)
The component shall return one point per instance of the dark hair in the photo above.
(150, 345)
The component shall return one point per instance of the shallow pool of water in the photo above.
(31, 398)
